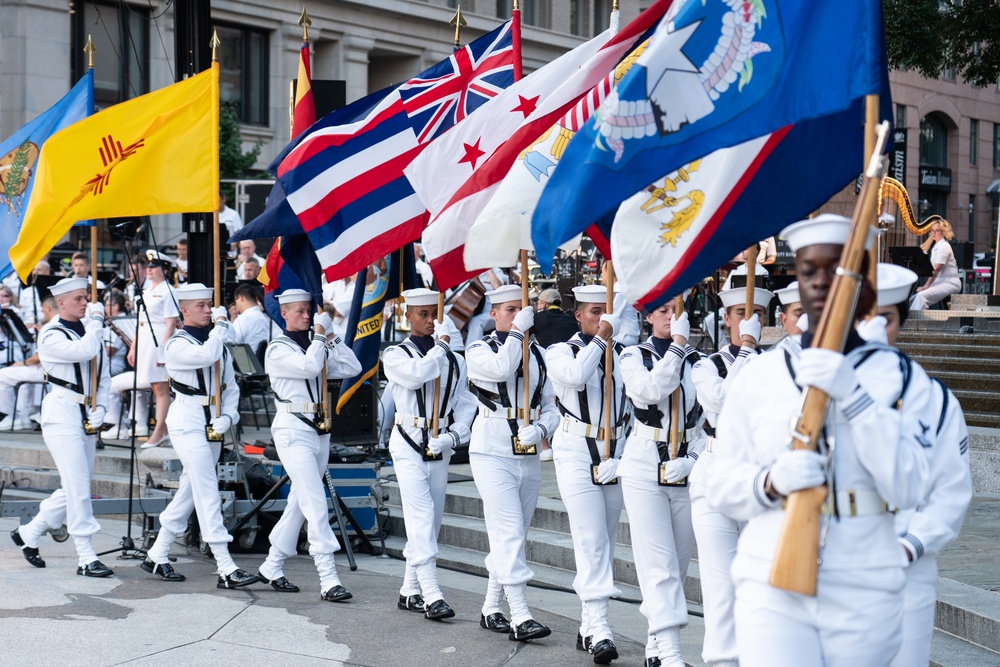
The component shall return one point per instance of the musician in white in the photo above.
(294, 363)
(654, 478)
(27, 370)
(252, 326)
(66, 349)
(420, 457)
(871, 457)
(587, 482)
(503, 453)
(192, 355)
(122, 378)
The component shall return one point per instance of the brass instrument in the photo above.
(894, 191)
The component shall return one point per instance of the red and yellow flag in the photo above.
(158, 153)
(303, 109)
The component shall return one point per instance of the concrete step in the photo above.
(102, 485)
(950, 350)
(970, 613)
(955, 380)
(947, 338)
(983, 419)
(979, 400)
(947, 650)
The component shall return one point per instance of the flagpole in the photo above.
(871, 136)
(751, 279)
(675, 400)
(458, 22)
(525, 351)
(94, 380)
(216, 272)
(608, 360)
(437, 381)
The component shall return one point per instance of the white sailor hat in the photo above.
(193, 292)
(825, 228)
(68, 285)
(504, 293)
(789, 295)
(420, 296)
(737, 296)
(157, 257)
(294, 296)
(894, 283)
(590, 294)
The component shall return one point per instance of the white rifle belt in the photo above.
(198, 399)
(508, 413)
(659, 434)
(420, 422)
(311, 408)
(574, 427)
(853, 503)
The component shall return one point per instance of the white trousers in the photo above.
(717, 535)
(74, 453)
(935, 293)
(850, 623)
(10, 377)
(509, 489)
(662, 541)
(919, 602)
(121, 383)
(304, 456)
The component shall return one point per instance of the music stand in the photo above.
(16, 333)
(912, 258)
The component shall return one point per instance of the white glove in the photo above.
(803, 323)
(324, 320)
(678, 469)
(221, 424)
(751, 327)
(94, 326)
(219, 313)
(614, 320)
(873, 330)
(95, 310)
(529, 435)
(441, 329)
(607, 471)
(680, 327)
(798, 469)
(524, 319)
(95, 416)
(439, 444)
(828, 371)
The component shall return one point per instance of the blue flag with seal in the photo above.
(19, 154)
(716, 74)
(376, 284)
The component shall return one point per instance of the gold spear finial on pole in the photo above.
(614, 5)
(305, 22)
(458, 22)
(516, 6)
(215, 43)
(90, 50)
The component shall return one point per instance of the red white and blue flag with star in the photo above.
(343, 179)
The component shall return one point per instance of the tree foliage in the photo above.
(928, 35)
(233, 162)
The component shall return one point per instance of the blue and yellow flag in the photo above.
(19, 159)
(374, 286)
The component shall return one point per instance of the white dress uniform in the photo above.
(160, 303)
(576, 369)
(946, 283)
(11, 376)
(122, 379)
(422, 482)
(251, 327)
(508, 481)
(855, 618)
(65, 359)
(660, 515)
(190, 363)
(295, 375)
(715, 532)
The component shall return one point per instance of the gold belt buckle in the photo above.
(521, 449)
(852, 502)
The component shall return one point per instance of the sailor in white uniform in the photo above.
(789, 313)
(716, 533)
(871, 457)
(66, 349)
(654, 478)
(503, 453)
(419, 457)
(925, 531)
(191, 355)
(588, 483)
(294, 363)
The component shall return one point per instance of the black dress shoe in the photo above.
(336, 594)
(604, 652)
(411, 603)
(95, 569)
(583, 643)
(30, 553)
(281, 584)
(438, 611)
(164, 571)
(530, 629)
(495, 622)
(237, 579)
(652, 662)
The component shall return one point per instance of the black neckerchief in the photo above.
(303, 338)
(76, 327)
(854, 340)
(660, 344)
(502, 336)
(586, 338)
(734, 350)
(423, 343)
(200, 333)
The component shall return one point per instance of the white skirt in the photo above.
(146, 367)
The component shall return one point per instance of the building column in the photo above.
(355, 70)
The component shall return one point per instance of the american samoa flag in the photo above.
(449, 91)
(344, 178)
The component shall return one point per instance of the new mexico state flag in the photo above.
(158, 153)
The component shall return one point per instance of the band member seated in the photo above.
(70, 424)
(420, 458)
(294, 362)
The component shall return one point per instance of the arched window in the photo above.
(933, 142)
